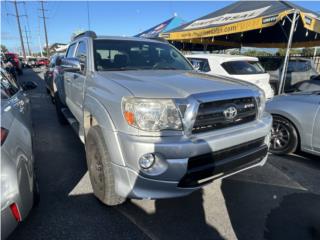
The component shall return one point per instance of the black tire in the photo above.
(284, 136)
(48, 91)
(59, 105)
(100, 169)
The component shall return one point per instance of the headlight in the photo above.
(261, 101)
(151, 114)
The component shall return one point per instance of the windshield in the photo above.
(115, 55)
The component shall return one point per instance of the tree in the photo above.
(3, 48)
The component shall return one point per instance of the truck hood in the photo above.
(172, 83)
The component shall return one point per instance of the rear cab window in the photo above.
(200, 64)
(243, 67)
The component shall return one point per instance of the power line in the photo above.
(26, 32)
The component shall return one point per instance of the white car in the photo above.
(240, 67)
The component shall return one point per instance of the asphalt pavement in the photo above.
(280, 200)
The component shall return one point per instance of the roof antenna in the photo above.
(88, 15)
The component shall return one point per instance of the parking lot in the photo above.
(278, 201)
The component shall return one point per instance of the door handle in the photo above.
(75, 76)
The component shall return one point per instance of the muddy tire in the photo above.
(100, 169)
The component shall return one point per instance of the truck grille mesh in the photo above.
(211, 115)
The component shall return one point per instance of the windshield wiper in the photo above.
(122, 69)
(166, 68)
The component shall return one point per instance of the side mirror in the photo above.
(28, 85)
(71, 64)
(58, 61)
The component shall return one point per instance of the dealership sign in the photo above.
(227, 18)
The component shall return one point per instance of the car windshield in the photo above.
(121, 55)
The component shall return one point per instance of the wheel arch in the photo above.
(95, 114)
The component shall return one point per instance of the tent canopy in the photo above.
(253, 24)
(167, 25)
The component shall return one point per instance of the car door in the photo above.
(68, 78)
(316, 128)
(18, 144)
(78, 80)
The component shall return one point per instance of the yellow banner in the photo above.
(310, 22)
(247, 25)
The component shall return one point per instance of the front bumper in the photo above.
(172, 175)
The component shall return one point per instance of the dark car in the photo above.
(51, 73)
(14, 59)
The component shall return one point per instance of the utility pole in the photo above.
(45, 29)
(19, 27)
(25, 30)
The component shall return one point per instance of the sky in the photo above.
(106, 18)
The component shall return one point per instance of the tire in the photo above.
(48, 91)
(100, 169)
(284, 136)
(61, 118)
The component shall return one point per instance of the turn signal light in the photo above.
(129, 116)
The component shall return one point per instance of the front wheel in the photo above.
(284, 137)
(100, 169)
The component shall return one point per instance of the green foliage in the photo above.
(3, 48)
(297, 51)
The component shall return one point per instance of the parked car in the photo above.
(19, 189)
(14, 59)
(9, 67)
(31, 62)
(51, 73)
(42, 62)
(296, 122)
(152, 126)
(239, 67)
(299, 69)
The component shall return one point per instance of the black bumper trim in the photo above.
(217, 169)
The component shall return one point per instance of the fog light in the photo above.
(147, 160)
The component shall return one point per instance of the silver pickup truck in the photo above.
(152, 126)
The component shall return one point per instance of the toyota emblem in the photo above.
(230, 113)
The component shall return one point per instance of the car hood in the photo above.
(172, 83)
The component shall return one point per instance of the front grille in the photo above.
(216, 164)
(211, 114)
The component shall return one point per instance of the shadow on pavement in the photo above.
(260, 211)
(178, 218)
